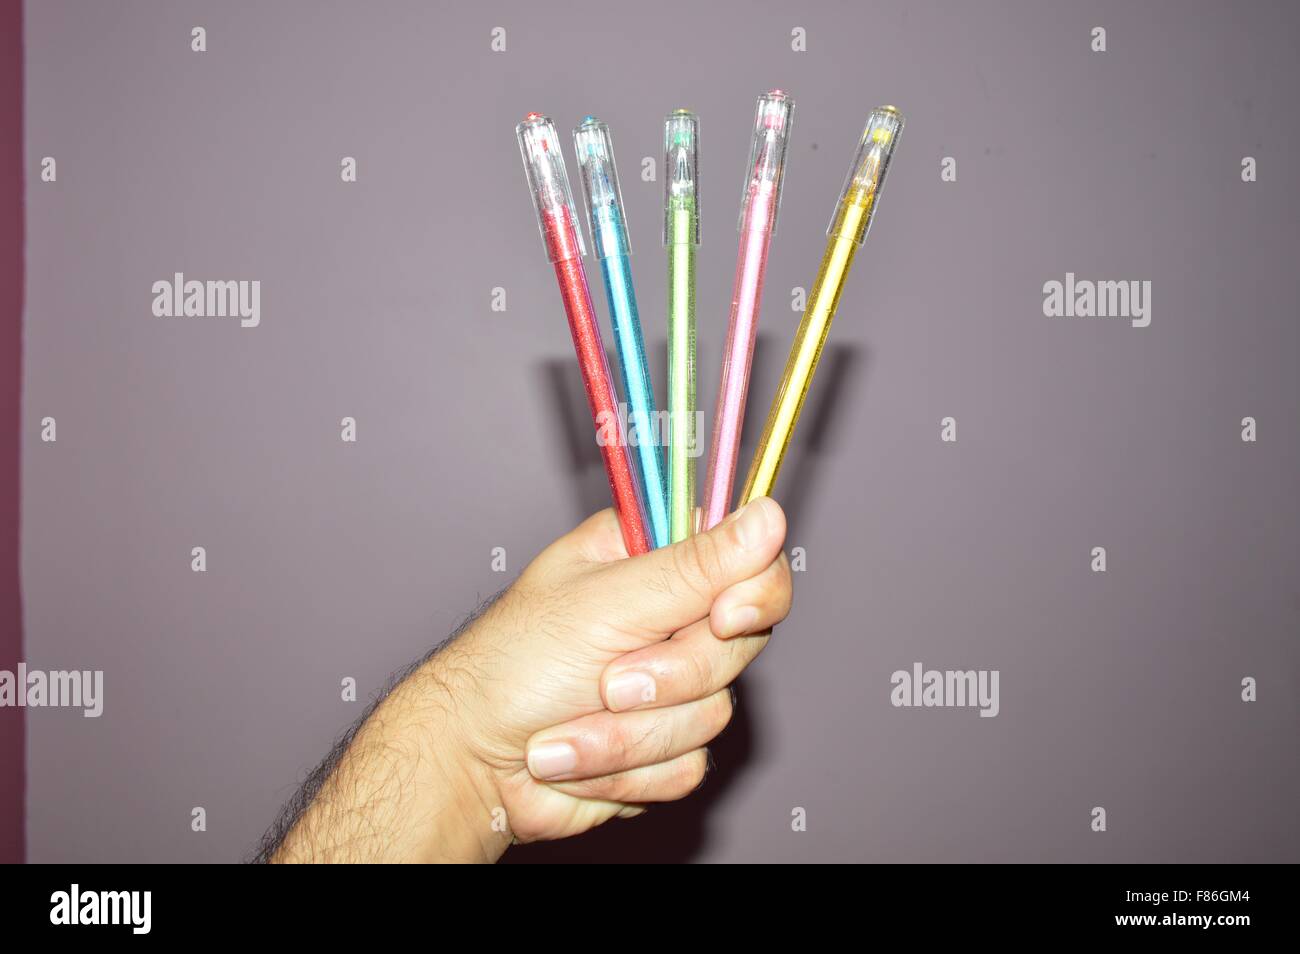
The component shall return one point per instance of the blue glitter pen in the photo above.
(591, 141)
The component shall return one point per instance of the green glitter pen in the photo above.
(681, 237)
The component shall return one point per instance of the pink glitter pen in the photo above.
(760, 203)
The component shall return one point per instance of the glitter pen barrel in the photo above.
(609, 239)
(760, 204)
(681, 238)
(549, 184)
(850, 223)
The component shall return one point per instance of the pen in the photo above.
(760, 203)
(549, 184)
(681, 236)
(848, 230)
(604, 201)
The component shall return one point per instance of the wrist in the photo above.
(406, 789)
(436, 705)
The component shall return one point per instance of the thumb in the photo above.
(666, 589)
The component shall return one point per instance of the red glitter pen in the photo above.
(549, 184)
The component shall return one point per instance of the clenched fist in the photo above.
(590, 688)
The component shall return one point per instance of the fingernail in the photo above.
(752, 523)
(739, 619)
(551, 760)
(629, 690)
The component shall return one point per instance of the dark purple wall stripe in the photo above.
(12, 768)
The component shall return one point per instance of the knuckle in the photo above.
(784, 599)
(724, 707)
(693, 771)
(622, 740)
(687, 775)
(643, 742)
(660, 739)
(633, 787)
(700, 673)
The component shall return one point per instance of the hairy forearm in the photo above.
(400, 785)
(405, 789)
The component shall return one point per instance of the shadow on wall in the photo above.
(839, 374)
(678, 832)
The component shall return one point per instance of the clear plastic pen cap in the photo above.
(549, 183)
(861, 193)
(600, 188)
(682, 178)
(772, 121)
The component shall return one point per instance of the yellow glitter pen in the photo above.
(848, 230)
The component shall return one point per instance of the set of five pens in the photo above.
(654, 496)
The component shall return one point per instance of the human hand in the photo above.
(593, 685)
(589, 688)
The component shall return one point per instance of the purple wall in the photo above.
(328, 560)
